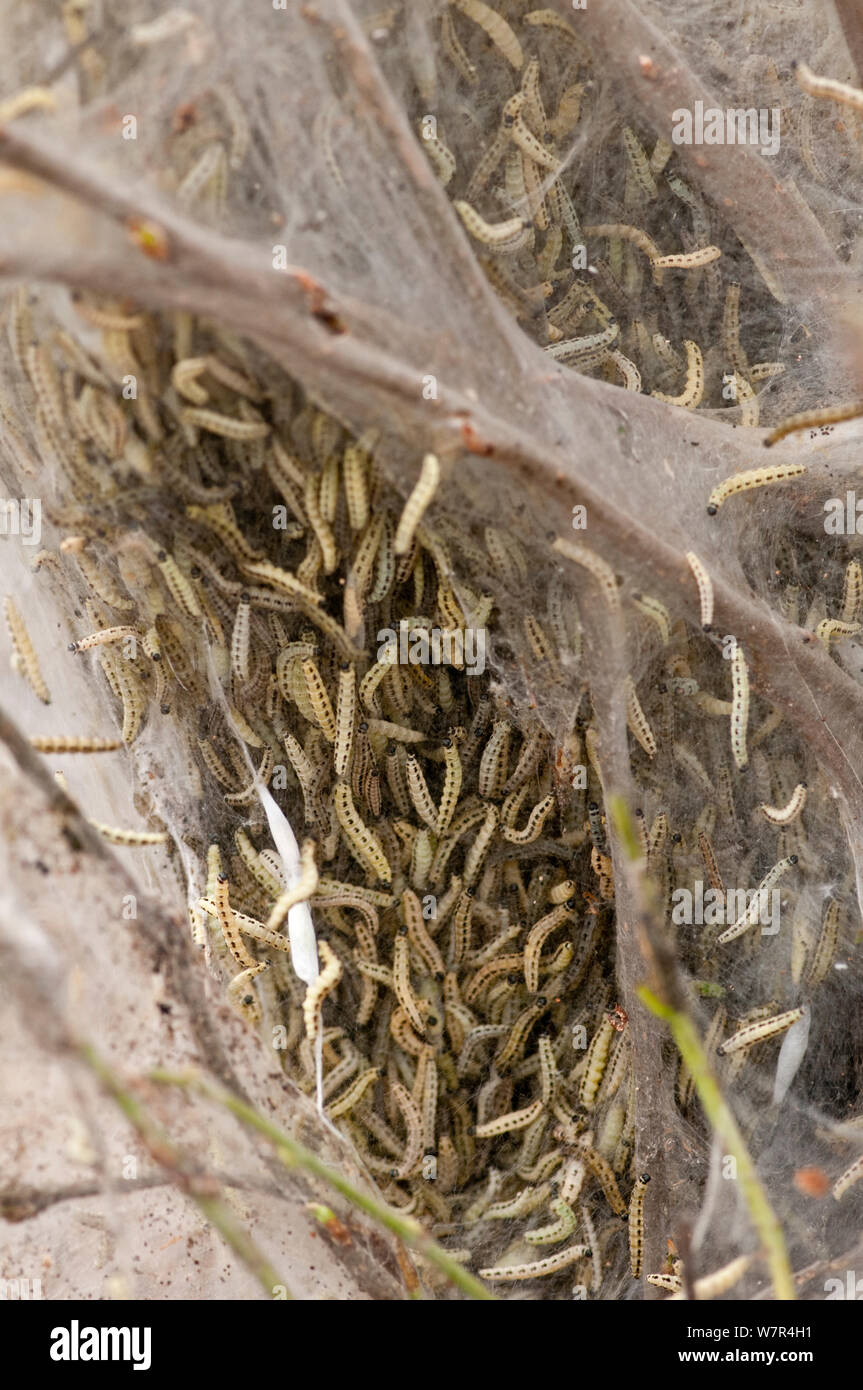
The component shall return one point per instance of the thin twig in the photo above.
(201, 1187)
(296, 1155)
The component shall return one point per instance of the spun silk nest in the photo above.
(395, 385)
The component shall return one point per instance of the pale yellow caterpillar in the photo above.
(351, 1097)
(533, 147)
(852, 592)
(656, 612)
(636, 719)
(693, 387)
(750, 916)
(537, 1269)
(692, 260)
(511, 1123)
(757, 1032)
(748, 401)
(739, 706)
(755, 477)
(421, 798)
(833, 630)
(586, 351)
(362, 842)
(460, 932)
(634, 235)
(494, 762)
(416, 504)
(452, 47)
(30, 99)
(103, 637)
(483, 977)
(636, 1225)
(319, 524)
(601, 1169)
(662, 152)
(595, 1062)
(179, 587)
(599, 568)
(402, 982)
(510, 235)
(226, 425)
(480, 845)
(317, 992)
(814, 419)
(25, 652)
(355, 469)
(346, 704)
(116, 835)
(424, 945)
(639, 164)
(848, 1179)
(387, 730)
(73, 743)
(557, 1231)
(500, 33)
(765, 371)
(511, 1050)
(536, 939)
(536, 820)
(300, 892)
(550, 19)
(627, 368)
(451, 789)
(320, 700)
(705, 588)
(825, 947)
(827, 88)
(784, 815)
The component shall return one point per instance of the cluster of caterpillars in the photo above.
(220, 527)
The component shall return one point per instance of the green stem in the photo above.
(171, 1158)
(719, 1114)
(296, 1155)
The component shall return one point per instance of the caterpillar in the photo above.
(739, 706)
(501, 34)
(597, 1056)
(814, 419)
(637, 720)
(599, 568)
(300, 892)
(750, 915)
(510, 235)
(827, 88)
(226, 425)
(346, 703)
(757, 1032)
(25, 652)
(755, 477)
(636, 1224)
(73, 743)
(784, 815)
(693, 387)
(362, 842)
(537, 1269)
(116, 835)
(317, 992)
(417, 503)
(705, 589)
(692, 260)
